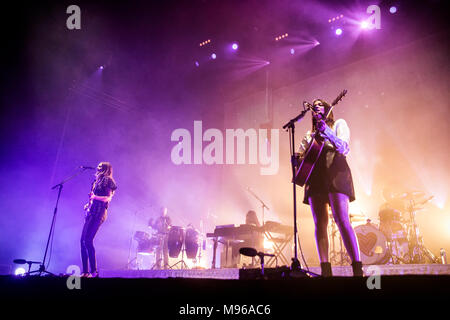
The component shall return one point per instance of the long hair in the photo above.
(251, 218)
(105, 172)
(330, 120)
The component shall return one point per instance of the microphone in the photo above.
(20, 261)
(308, 105)
(86, 167)
(23, 261)
(251, 252)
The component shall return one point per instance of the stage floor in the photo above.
(233, 273)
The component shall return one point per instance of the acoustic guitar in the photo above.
(314, 150)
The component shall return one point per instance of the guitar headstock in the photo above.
(339, 97)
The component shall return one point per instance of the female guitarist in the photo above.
(102, 191)
(330, 183)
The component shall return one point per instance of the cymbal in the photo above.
(411, 195)
(355, 213)
(357, 218)
(425, 201)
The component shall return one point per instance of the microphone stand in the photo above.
(52, 226)
(263, 205)
(290, 126)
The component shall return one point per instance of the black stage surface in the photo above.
(232, 299)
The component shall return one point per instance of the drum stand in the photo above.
(336, 257)
(183, 264)
(395, 259)
(159, 254)
(418, 251)
(156, 263)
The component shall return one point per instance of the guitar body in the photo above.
(309, 161)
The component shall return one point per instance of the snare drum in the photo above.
(141, 236)
(373, 244)
(148, 245)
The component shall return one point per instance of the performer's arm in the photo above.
(103, 198)
(341, 139)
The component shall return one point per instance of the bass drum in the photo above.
(373, 245)
(175, 241)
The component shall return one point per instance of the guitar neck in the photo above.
(336, 101)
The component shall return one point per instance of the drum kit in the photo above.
(395, 240)
(177, 240)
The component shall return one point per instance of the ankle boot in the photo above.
(326, 269)
(357, 269)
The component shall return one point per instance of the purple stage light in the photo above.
(235, 46)
(197, 64)
(338, 31)
(292, 51)
(316, 43)
(213, 56)
(393, 9)
(101, 67)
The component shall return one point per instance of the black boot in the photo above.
(326, 269)
(357, 269)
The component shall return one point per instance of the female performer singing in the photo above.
(102, 191)
(331, 184)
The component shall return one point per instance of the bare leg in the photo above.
(320, 214)
(339, 207)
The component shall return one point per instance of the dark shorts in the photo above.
(98, 209)
(330, 175)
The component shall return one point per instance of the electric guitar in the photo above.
(88, 205)
(314, 150)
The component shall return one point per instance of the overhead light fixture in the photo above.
(204, 43)
(278, 38)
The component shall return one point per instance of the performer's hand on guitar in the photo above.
(321, 126)
(101, 198)
(296, 160)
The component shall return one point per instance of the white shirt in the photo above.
(337, 137)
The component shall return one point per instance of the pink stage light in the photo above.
(235, 46)
(338, 31)
(393, 9)
(364, 25)
(213, 56)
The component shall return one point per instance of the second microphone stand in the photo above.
(263, 205)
